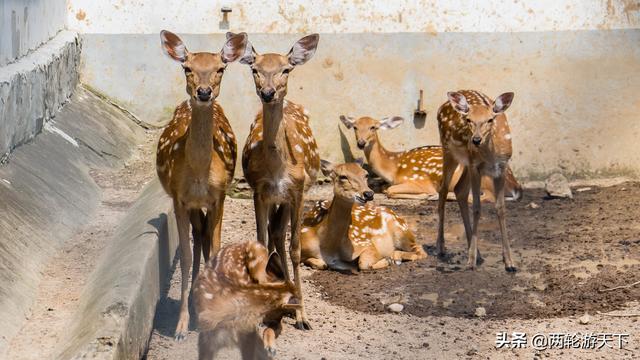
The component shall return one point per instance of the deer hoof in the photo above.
(180, 336)
(271, 352)
(511, 269)
(303, 325)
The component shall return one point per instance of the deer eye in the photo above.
(490, 120)
(286, 71)
(187, 70)
(221, 70)
(254, 71)
(342, 178)
(468, 121)
(372, 128)
(355, 128)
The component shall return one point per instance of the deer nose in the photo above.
(476, 140)
(267, 94)
(361, 144)
(204, 94)
(368, 195)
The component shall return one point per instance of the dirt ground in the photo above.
(567, 252)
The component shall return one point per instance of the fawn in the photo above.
(240, 298)
(335, 234)
(196, 156)
(415, 173)
(280, 159)
(475, 134)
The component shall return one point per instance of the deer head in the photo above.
(480, 117)
(349, 181)
(366, 128)
(203, 71)
(271, 71)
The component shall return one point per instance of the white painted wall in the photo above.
(27, 24)
(339, 16)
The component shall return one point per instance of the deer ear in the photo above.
(347, 121)
(303, 49)
(327, 167)
(173, 46)
(274, 266)
(502, 102)
(459, 102)
(249, 55)
(234, 47)
(230, 34)
(359, 161)
(391, 122)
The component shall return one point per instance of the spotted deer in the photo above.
(240, 298)
(348, 229)
(280, 158)
(415, 173)
(475, 134)
(196, 156)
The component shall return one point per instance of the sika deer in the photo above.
(475, 134)
(347, 229)
(196, 156)
(240, 298)
(280, 158)
(415, 173)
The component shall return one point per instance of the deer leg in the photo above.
(182, 220)
(295, 254)
(207, 347)
(277, 234)
(500, 209)
(475, 191)
(261, 209)
(214, 224)
(462, 195)
(449, 165)
(399, 255)
(197, 227)
(411, 190)
(315, 263)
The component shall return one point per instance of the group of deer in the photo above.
(245, 289)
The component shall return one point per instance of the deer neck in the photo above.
(274, 141)
(338, 219)
(383, 162)
(199, 144)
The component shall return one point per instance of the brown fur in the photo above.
(240, 298)
(475, 134)
(196, 158)
(280, 159)
(337, 234)
(415, 173)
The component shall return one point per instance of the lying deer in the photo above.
(416, 173)
(336, 234)
(475, 134)
(240, 298)
(196, 156)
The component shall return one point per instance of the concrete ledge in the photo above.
(47, 194)
(34, 88)
(116, 311)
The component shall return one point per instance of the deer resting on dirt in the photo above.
(240, 298)
(415, 173)
(337, 234)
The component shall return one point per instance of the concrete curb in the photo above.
(47, 195)
(117, 307)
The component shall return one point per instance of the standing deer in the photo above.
(415, 173)
(336, 234)
(240, 298)
(280, 158)
(474, 133)
(196, 156)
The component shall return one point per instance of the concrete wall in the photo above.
(25, 25)
(339, 16)
(576, 91)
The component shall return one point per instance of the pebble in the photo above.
(583, 189)
(533, 205)
(557, 186)
(584, 319)
(481, 312)
(395, 307)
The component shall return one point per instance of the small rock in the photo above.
(395, 307)
(481, 312)
(584, 319)
(425, 344)
(557, 186)
(472, 352)
(583, 189)
(533, 205)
